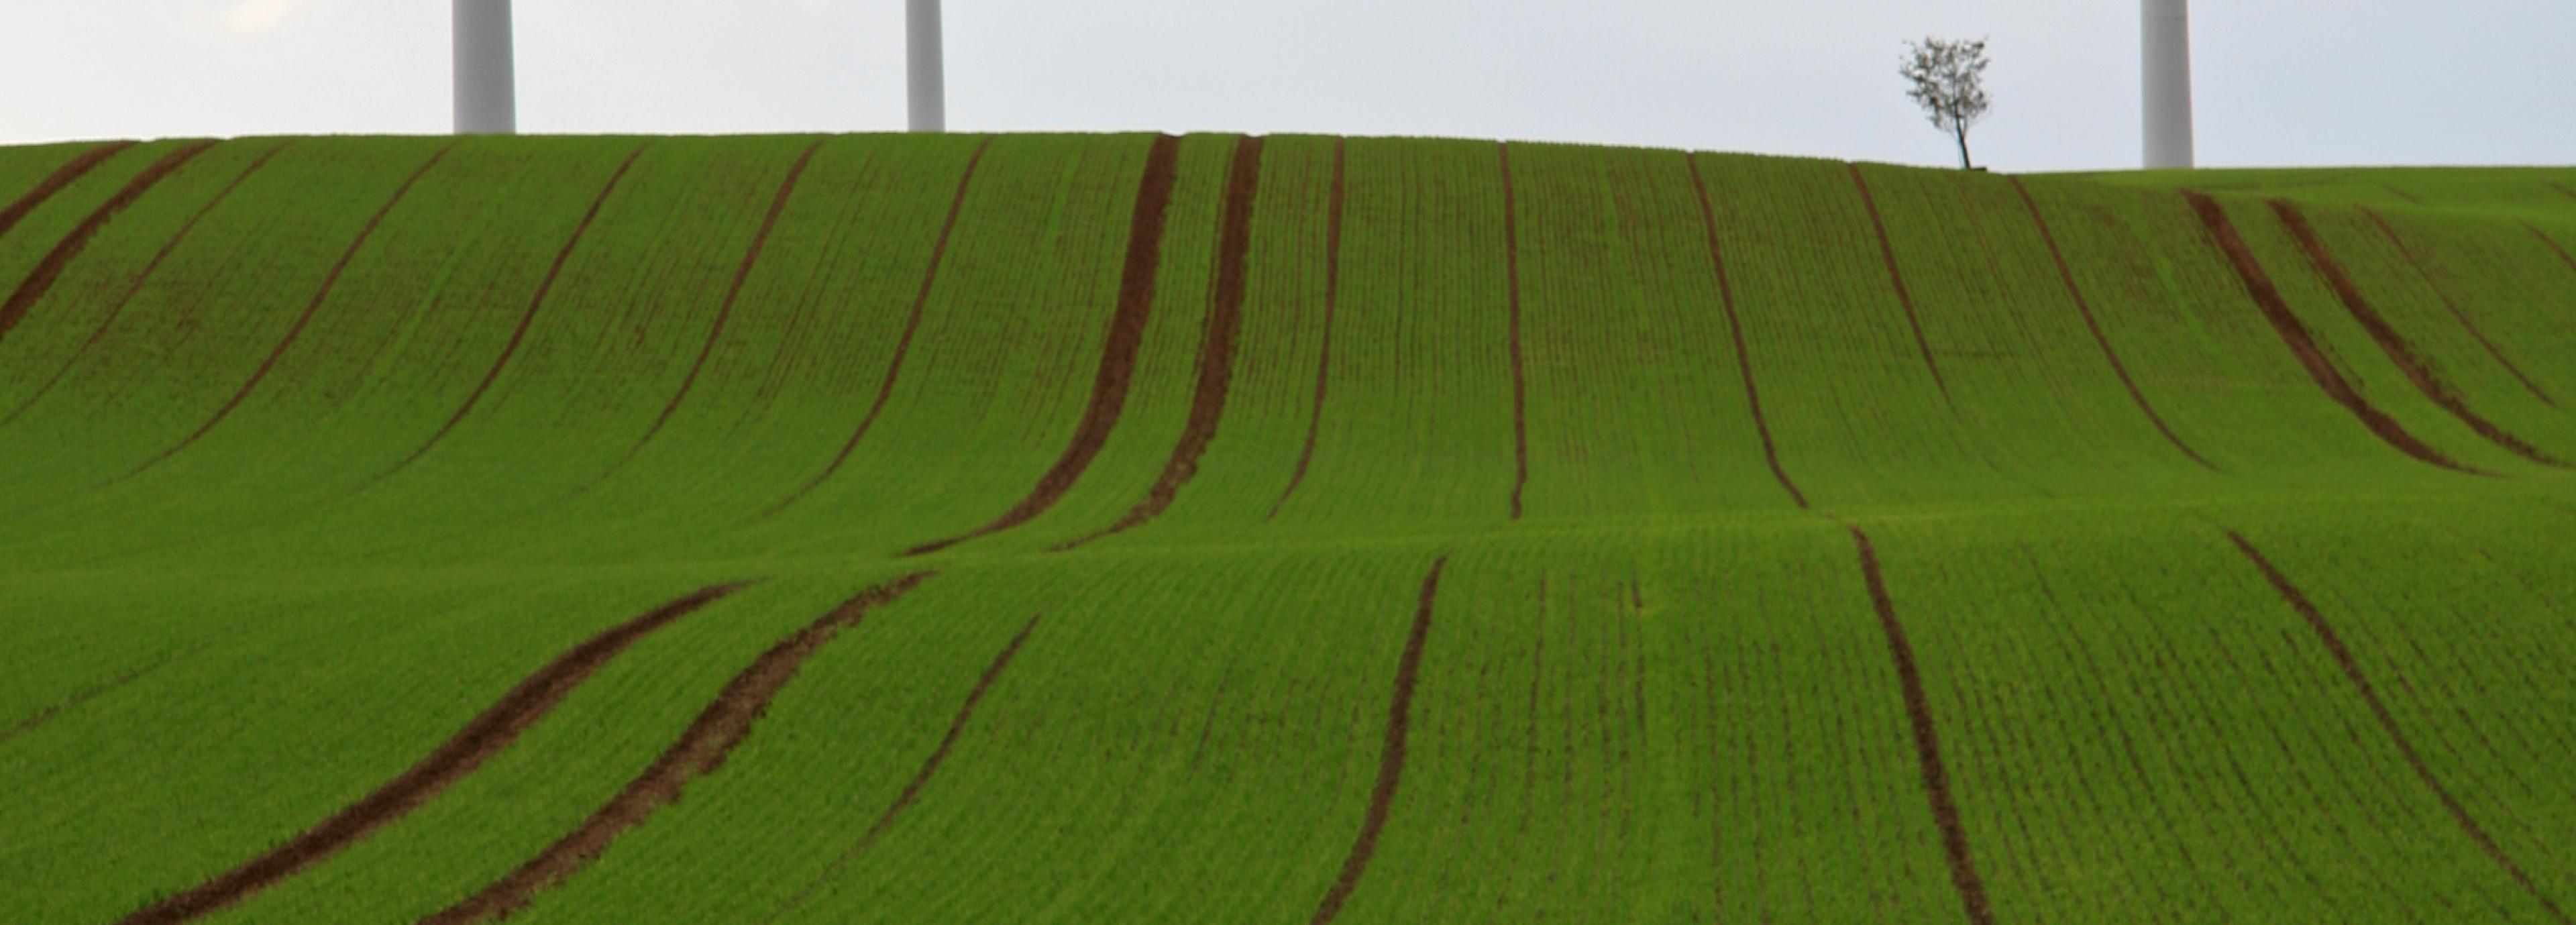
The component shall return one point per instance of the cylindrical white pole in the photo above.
(929, 80)
(2168, 84)
(486, 82)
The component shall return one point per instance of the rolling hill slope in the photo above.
(1151, 529)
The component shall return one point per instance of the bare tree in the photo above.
(1949, 82)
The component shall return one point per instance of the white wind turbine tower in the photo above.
(486, 91)
(929, 90)
(2168, 83)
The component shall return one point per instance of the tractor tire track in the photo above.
(1520, 380)
(78, 698)
(700, 751)
(2412, 260)
(135, 287)
(41, 280)
(70, 172)
(488, 734)
(903, 344)
(1896, 277)
(2418, 371)
(527, 320)
(1216, 350)
(2554, 247)
(1927, 740)
(1735, 329)
(2351, 667)
(2302, 344)
(320, 296)
(1118, 355)
(1332, 297)
(2085, 307)
(1390, 769)
(920, 779)
(724, 313)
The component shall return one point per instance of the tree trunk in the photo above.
(1964, 163)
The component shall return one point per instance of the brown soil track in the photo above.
(1117, 371)
(724, 313)
(2303, 345)
(2563, 190)
(2390, 232)
(1216, 347)
(526, 320)
(700, 751)
(1520, 380)
(488, 734)
(1390, 768)
(2343, 657)
(1927, 740)
(2418, 370)
(2554, 246)
(320, 296)
(1332, 297)
(1896, 277)
(1735, 328)
(41, 279)
(70, 172)
(135, 287)
(920, 779)
(74, 702)
(2085, 307)
(903, 344)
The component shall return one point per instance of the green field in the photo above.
(1050, 529)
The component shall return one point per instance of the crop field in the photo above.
(1141, 529)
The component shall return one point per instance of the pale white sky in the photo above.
(2279, 81)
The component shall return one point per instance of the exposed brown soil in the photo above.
(903, 344)
(70, 172)
(921, 778)
(2563, 190)
(2294, 335)
(74, 702)
(1118, 356)
(526, 320)
(2343, 657)
(2085, 307)
(490, 732)
(41, 279)
(1520, 380)
(2456, 312)
(1324, 364)
(2401, 194)
(320, 296)
(1927, 741)
(700, 751)
(1390, 767)
(1735, 327)
(2554, 246)
(1896, 277)
(1216, 347)
(2418, 370)
(135, 287)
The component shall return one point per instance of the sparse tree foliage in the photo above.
(1949, 81)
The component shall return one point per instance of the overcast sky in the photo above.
(2280, 82)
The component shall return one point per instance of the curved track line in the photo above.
(1216, 349)
(1735, 328)
(699, 752)
(741, 275)
(1520, 382)
(70, 172)
(2295, 336)
(2418, 371)
(82, 696)
(1390, 767)
(2343, 657)
(2085, 306)
(902, 346)
(41, 280)
(1904, 296)
(2412, 260)
(2563, 255)
(319, 296)
(488, 734)
(1332, 297)
(136, 287)
(1927, 740)
(920, 778)
(1117, 357)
